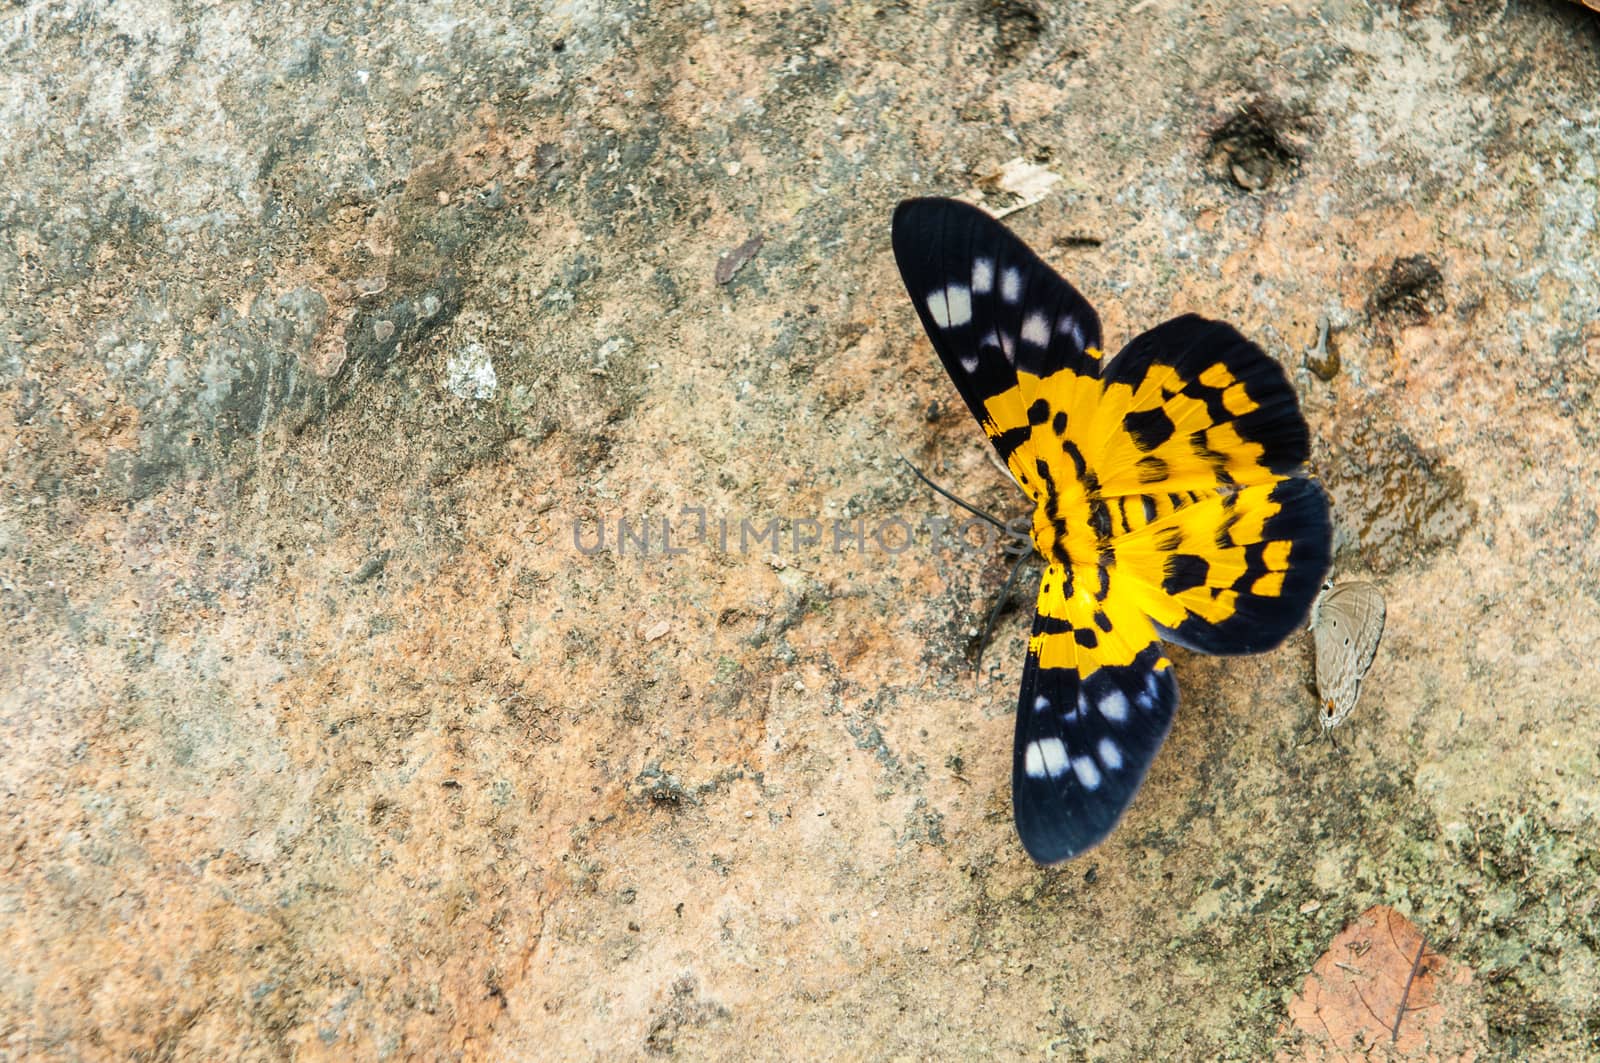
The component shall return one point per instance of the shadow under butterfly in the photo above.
(1170, 497)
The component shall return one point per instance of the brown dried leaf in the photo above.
(735, 260)
(1380, 992)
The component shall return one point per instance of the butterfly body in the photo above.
(1169, 503)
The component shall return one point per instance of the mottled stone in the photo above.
(322, 736)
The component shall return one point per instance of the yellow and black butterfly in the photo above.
(1170, 502)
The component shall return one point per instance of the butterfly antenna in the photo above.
(994, 614)
(968, 506)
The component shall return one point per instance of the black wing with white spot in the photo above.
(1097, 700)
(1082, 750)
(991, 307)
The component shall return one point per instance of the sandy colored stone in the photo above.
(327, 732)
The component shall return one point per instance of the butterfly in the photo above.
(1170, 502)
(1346, 625)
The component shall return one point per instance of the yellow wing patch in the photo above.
(1083, 630)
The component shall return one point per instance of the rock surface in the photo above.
(332, 336)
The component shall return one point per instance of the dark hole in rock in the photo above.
(1411, 290)
(1251, 150)
(1017, 28)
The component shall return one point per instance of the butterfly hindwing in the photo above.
(1191, 404)
(1097, 701)
(1234, 572)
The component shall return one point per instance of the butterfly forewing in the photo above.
(1346, 626)
(994, 311)
(1167, 503)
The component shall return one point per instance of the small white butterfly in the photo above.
(1346, 624)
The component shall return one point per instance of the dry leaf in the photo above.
(1021, 182)
(735, 260)
(1380, 987)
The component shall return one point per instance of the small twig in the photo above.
(1405, 993)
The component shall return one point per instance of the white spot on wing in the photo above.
(969, 362)
(1036, 330)
(1068, 326)
(1084, 768)
(1083, 705)
(1114, 705)
(938, 309)
(983, 275)
(1041, 703)
(960, 304)
(1147, 700)
(1011, 284)
(1110, 755)
(1046, 757)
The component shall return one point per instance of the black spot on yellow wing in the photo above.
(1149, 428)
(1233, 573)
(1184, 572)
(1153, 470)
